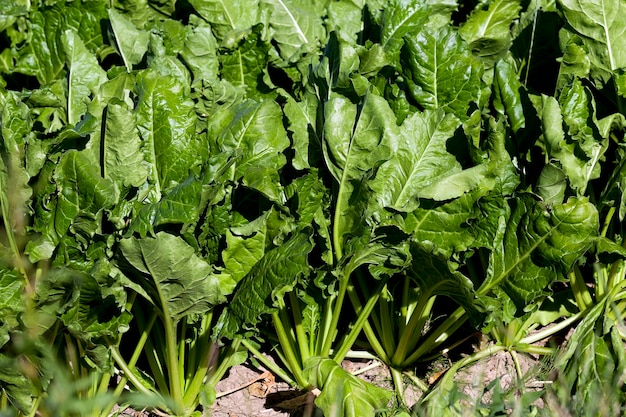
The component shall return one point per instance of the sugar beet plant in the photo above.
(186, 183)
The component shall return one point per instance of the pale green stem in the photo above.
(288, 351)
(363, 314)
(411, 335)
(300, 333)
(552, 330)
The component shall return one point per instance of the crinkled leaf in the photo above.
(11, 304)
(246, 245)
(296, 26)
(574, 63)
(200, 51)
(265, 285)
(435, 276)
(552, 184)
(302, 117)
(579, 147)
(227, 16)
(601, 25)
(123, 160)
(488, 31)
(356, 141)
(343, 394)
(43, 56)
(80, 190)
(15, 127)
(507, 90)
(345, 18)
(166, 120)
(182, 205)
(441, 71)
(132, 43)
(256, 132)
(420, 161)
(538, 245)
(447, 228)
(177, 281)
(402, 17)
(244, 65)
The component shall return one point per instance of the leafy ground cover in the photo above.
(187, 184)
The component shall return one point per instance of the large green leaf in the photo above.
(244, 65)
(302, 116)
(441, 71)
(12, 303)
(123, 161)
(601, 25)
(265, 285)
(81, 190)
(247, 244)
(488, 31)
(435, 276)
(255, 132)
(421, 163)
(296, 26)
(43, 56)
(167, 123)
(131, 42)
(538, 245)
(227, 16)
(356, 141)
(343, 394)
(175, 279)
(84, 78)
(570, 135)
(401, 18)
(200, 51)
(447, 228)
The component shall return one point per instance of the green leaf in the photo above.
(228, 16)
(345, 19)
(12, 303)
(343, 394)
(356, 141)
(85, 75)
(182, 205)
(601, 26)
(177, 281)
(488, 31)
(267, 282)
(200, 51)
(441, 71)
(131, 43)
(124, 162)
(507, 90)
(42, 56)
(435, 276)
(448, 228)
(552, 184)
(246, 245)
(538, 245)
(401, 18)
(167, 126)
(255, 131)
(80, 191)
(296, 26)
(421, 164)
(578, 148)
(302, 116)
(244, 65)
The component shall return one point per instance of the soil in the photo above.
(249, 391)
